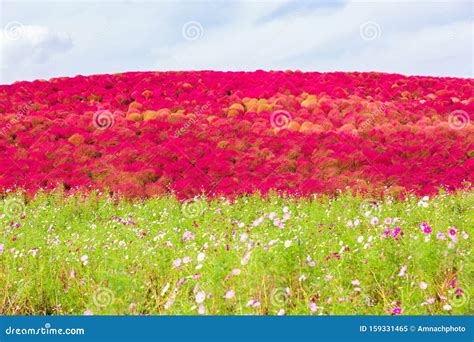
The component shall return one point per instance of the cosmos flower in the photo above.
(200, 297)
(397, 231)
(253, 303)
(447, 307)
(201, 309)
(177, 263)
(423, 285)
(397, 311)
(229, 294)
(236, 271)
(258, 221)
(374, 221)
(402, 271)
(426, 228)
(84, 259)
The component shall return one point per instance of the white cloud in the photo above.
(25, 45)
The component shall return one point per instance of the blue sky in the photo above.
(44, 39)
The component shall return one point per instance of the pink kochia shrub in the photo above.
(228, 133)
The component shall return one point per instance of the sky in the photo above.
(45, 39)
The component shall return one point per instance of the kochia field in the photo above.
(232, 133)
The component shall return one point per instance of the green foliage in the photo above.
(317, 254)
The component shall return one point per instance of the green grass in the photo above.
(129, 265)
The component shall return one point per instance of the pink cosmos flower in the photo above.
(423, 285)
(402, 271)
(453, 231)
(440, 236)
(201, 310)
(253, 302)
(313, 307)
(229, 294)
(388, 220)
(200, 297)
(281, 312)
(356, 282)
(397, 231)
(236, 271)
(84, 259)
(396, 311)
(374, 221)
(258, 221)
(177, 263)
(88, 313)
(188, 236)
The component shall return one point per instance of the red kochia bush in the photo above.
(228, 133)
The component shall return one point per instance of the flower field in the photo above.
(234, 193)
(91, 255)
